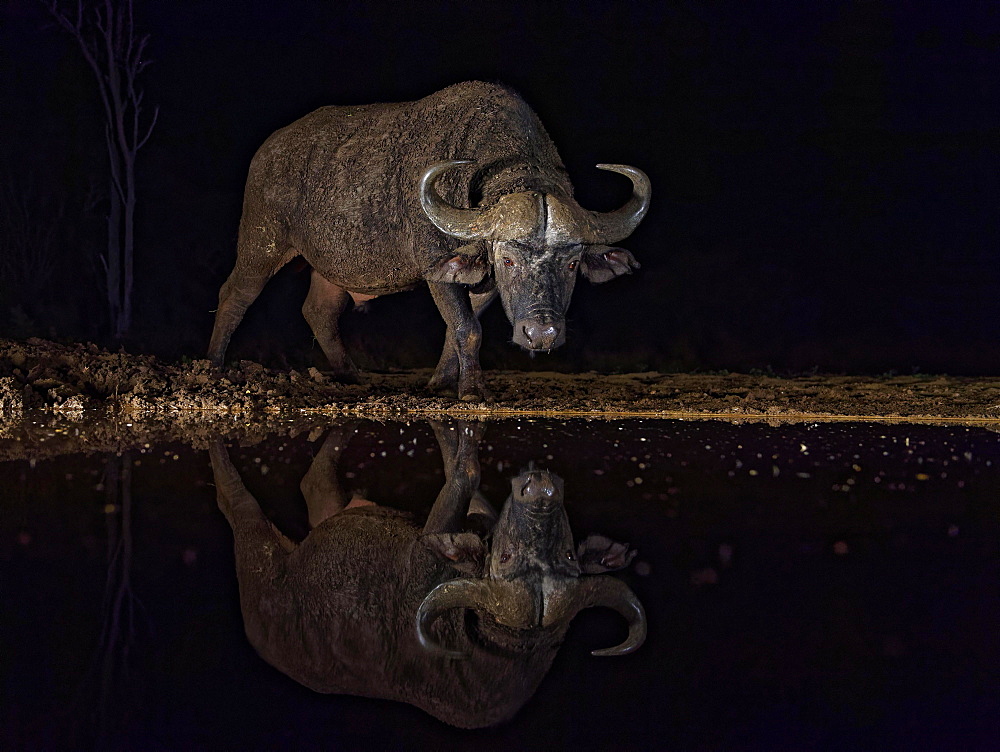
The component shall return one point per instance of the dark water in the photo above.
(809, 586)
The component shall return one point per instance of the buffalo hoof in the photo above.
(475, 393)
(343, 378)
(345, 373)
(445, 384)
(476, 397)
(474, 390)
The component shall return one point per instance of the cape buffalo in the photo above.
(463, 189)
(370, 604)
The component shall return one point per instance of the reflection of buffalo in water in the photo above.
(338, 612)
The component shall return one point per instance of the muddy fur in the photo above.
(339, 185)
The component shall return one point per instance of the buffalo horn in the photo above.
(460, 593)
(602, 590)
(460, 223)
(619, 224)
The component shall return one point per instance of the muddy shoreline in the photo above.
(80, 394)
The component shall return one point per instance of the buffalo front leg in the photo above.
(459, 444)
(463, 336)
(322, 491)
(446, 373)
(324, 304)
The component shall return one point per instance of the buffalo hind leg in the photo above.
(257, 260)
(324, 304)
(447, 372)
(236, 295)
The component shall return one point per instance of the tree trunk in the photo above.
(106, 35)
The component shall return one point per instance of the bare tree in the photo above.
(105, 33)
(109, 684)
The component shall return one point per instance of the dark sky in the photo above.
(825, 175)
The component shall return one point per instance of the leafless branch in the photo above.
(104, 31)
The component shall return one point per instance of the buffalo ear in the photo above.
(466, 265)
(601, 263)
(466, 552)
(598, 553)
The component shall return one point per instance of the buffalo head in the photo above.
(533, 244)
(532, 583)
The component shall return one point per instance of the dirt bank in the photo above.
(42, 375)
(71, 390)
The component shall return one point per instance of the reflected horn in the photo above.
(609, 592)
(617, 225)
(461, 593)
(459, 223)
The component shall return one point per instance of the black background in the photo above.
(825, 174)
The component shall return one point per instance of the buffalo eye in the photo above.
(570, 556)
(572, 265)
(507, 262)
(504, 557)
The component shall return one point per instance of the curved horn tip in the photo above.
(636, 636)
(629, 646)
(461, 593)
(610, 227)
(446, 164)
(614, 166)
(613, 593)
(432, 647)
(424, 621)
(624, 169)
(431, 173)
(451, 220)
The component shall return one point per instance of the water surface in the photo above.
(806, 585)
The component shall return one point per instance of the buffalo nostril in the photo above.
(541, 336)
(540, 485)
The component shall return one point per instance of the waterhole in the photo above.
(808, 585)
